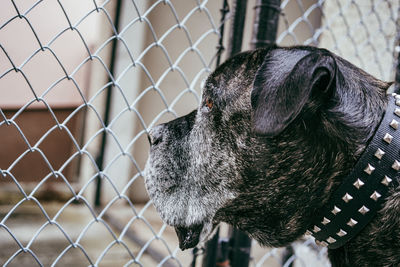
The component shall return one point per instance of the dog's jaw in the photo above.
(178, 179)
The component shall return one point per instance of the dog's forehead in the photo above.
(236, 72)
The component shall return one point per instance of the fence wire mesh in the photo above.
(61, 59)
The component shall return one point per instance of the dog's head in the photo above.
(275, 129)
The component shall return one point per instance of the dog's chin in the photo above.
(190, 237)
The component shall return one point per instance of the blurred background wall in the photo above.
(42, 92)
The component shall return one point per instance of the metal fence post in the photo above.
(264, 34)
(241, 247)
(106, 116)
(217, 251)
(237, 26)
(265, 23)
(397, 67)
(211, 249)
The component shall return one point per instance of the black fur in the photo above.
(286, 125)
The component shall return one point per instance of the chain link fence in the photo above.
(81, 82)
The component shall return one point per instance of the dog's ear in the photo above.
(277, 99)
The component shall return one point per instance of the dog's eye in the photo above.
(209, 103)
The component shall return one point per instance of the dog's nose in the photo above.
(155, 135)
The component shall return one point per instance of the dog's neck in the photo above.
(378, 243)
(361, 193)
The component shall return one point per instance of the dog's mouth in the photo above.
(188, 237)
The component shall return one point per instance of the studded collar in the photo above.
(363, 191)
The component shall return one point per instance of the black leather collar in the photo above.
(364, 190)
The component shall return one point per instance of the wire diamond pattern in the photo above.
(90, 102)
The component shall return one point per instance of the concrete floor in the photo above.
(25, 222)
(97, 243)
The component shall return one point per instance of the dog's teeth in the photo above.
(347, 197)
(352, 222)
(363, 210)
(375, 196)
(308, 232)
(379, 153)
(369, 169)
(386, 180)
(388, 138)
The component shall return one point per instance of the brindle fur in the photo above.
(286, 126)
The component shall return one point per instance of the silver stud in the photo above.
(308, 232)
(396, 165)
(341, 233)
(397, 97)
(336, 210)
(363, 210)
(369, 169)
(316, 229)
(397, 112)
(386, 180)
(321, 243)
(347, 197)
(331, 240)
(388, 138)
(325, 221)
(398, 102)
(379, 153)
(394, 124)
(358, 183)
(352, 222)
(375, 196)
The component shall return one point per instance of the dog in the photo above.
(276, 132)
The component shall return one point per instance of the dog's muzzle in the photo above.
(363, 191)
(188, 237)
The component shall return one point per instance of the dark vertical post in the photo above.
(237, 26)
(264, 34)
(211, 249)
(397, 48)
(265, 23)
(220, 48)
(241, 246)
(106, 117)
(216, 252)
(239, 243)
